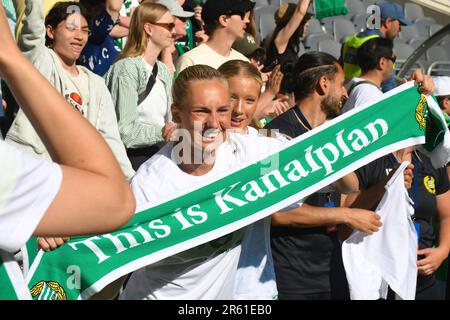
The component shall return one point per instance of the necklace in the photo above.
(300, 120)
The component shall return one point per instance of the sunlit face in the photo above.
(69, 37)
(387, 67)
(445, 105)
(161, 35)
(337, 94)
(393, 27)
(206, 114)
(245, 93)
(238, 24)
(180, 27)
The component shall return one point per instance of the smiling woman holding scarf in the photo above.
(201, 108)
(203, 112)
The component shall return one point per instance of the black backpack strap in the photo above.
(355, 84)
(151, 82)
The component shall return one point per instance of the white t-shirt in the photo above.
(76, 91)
(360, 94)
(207, 271)
(255, 277)
(27, 188)
(203, 54)
(389, 256)
(153, 110)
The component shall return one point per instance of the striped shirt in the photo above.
(126, 80)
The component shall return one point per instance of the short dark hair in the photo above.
(309, 68)
(258, 55)
(370, 53)
(59, 12)
(440, 100)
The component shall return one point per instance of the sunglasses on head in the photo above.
(166, 25)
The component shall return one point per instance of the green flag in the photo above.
(329, 8)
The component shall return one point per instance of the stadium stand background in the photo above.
(329, 33)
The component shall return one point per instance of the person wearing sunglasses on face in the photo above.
(140, 85)
(225, 22)
(377, 65)
(392, 19)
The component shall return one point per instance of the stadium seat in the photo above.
(439, 58)
(438, 53)
(360, 21)
(257, 12)
(261, 3)
(343, 29)
(355, 7)
(314, 26)
(330, 46)
(408, 33)
(280, 2)
(423, 25)
(434, 28)
(367, 3)
(415, 43)
(413, 11)
(312, 41)
(301, 50)
(403, 50)
(328, 24)
(266, 24)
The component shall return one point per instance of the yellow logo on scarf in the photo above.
(48, 290)
(420, 112)
(428, 182)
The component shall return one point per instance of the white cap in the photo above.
(175, 9)
(442, 86)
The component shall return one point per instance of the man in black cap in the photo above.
(225, 22)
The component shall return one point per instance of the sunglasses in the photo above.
(240, 13)
(393, 58)
(169, 26)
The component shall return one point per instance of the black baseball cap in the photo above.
(213, 9)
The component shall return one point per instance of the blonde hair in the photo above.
(199, 72)
(245, 69)
(137, 38)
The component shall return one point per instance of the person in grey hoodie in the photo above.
(53, 47)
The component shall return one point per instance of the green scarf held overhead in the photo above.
(329, 8)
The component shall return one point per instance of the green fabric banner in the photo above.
(85, 265)
(11, 279)
(329, 8)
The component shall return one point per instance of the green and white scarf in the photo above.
(85, 265)
(12, 285)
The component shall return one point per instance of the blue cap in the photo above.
(393, 11)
